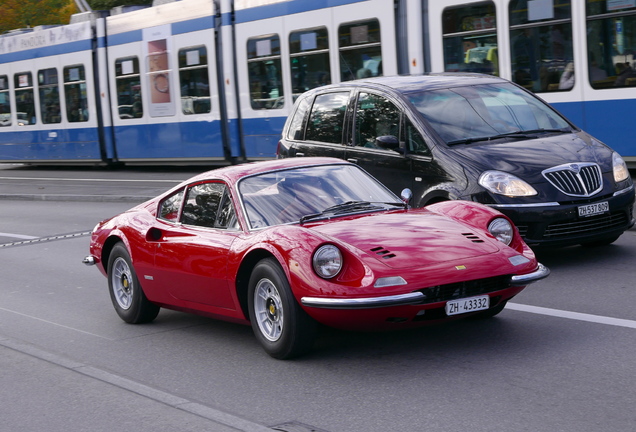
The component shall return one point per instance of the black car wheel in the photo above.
(281, 326)
(128, 298)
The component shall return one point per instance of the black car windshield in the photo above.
(287, 196)
(489, 111)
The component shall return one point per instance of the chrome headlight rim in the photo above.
(502, 230)
(506, 184)
(327, 261)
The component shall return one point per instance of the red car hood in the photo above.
(405, 240)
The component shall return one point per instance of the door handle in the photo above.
(300, 154)
(352, 160)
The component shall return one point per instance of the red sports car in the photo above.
(287, 244)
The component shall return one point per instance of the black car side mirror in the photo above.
(388, 142)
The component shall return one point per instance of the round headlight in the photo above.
(502, 183)
(327, 261)
(502, 230)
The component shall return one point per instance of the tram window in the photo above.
(541, 45)
(470, 39)
(127, 79)
(327, 118)
(309, 52)
(611, 43)
(75, 94)
(194, 80)
(360, 50)
(24, 98)
(49, 92)
(5, 102)
(265, 73)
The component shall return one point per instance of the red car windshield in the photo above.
(286, 196)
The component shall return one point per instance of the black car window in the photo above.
(169, 207)
(295, 131)
(414, 141)
(203, 205)
(376, 116)
(327, 118)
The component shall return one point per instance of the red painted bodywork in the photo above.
(205, 271)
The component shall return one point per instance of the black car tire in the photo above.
(280, 325)
(126, 293)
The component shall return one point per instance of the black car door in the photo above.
(374, 143)
(385, 142)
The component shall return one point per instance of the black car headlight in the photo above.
(327, 261)
(620, 168)
(502, 230)
(502, 183)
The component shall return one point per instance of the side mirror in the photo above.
(406, 196)
(388, 142)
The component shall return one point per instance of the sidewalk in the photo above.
(134, 185)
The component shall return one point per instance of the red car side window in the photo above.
(169, 207)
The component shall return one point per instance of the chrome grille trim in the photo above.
(582, 179)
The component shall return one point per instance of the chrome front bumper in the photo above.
(411, 298)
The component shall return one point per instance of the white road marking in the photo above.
(53, 323)
(572, 315)
(20, 236)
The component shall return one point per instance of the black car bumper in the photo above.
(560, 224)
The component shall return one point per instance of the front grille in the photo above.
(576, 179)
(471, 288)
(589, 225)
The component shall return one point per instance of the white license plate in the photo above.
(594, 209)
(469, 304)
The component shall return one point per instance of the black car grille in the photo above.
(589, 225)
(576, 179)
(471, 288)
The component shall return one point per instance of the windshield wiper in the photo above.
(350, 206)
(520, 134)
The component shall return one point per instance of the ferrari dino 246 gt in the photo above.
(284, 245)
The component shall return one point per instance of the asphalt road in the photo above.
(560, 358)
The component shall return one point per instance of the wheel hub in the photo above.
(272, 311)
(125, 283)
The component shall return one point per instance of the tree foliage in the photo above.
(109, 4)
(30, 13)
(15, 14)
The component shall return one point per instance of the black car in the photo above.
(471, 137)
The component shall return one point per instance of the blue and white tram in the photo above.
(48, 107)
(211, 81)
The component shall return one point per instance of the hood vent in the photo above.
(382, 252)
(472, 237)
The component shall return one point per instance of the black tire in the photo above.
(490, 312)
(126, 293)
(280, 325)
